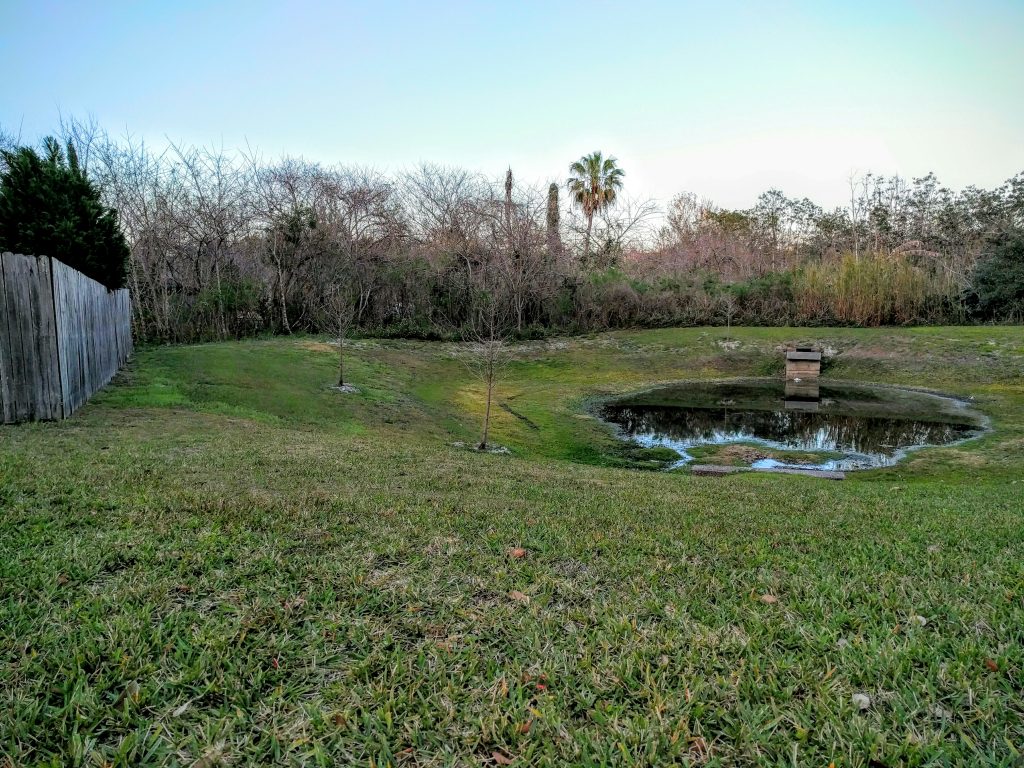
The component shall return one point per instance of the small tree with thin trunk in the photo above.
(729, 305)
(488, 330)
(338, 313)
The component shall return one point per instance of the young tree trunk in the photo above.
(284, 303)
(341, 361)
(490, 373)
(487, 410)
(364, 302)
(853, 219)
(223, 329)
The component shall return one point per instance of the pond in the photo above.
(770, 423)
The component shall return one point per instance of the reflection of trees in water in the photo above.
(797, 429)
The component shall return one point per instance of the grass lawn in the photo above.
(221, 561)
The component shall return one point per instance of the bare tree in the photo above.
(626, 227)
(290, 202)
(368, 230)
(488, 333)
(856, 208)
(214, 212)
(8, 142)
(84, 135)
(339, 312)
(486, 329)
(442, 203)
(515, 243)
(729, 306)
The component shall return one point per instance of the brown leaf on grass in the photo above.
(517, 553)
(699, 747)
(519, 597)
(525, 727)
(62, 579)
(769, 599)
(992, 665)
(338, 719)
(294, 603)
(501, 758)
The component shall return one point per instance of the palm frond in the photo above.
(594, 181)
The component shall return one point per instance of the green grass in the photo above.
(221, 561)
(743, 454)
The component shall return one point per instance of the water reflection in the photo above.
(802, 396)
(859, 426)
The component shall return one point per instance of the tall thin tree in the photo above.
(554, 236)
(508, 199)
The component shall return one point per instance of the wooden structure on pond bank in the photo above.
(803, 364)
(62, 337)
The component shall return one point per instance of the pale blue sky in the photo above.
(724, 99)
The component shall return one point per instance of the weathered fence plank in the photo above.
(19, 378)
(28, 343)
(7, 385)
(62, 337)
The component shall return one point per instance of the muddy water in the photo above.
(843, 426)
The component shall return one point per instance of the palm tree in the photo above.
(593, 183)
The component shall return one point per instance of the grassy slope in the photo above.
(220, 559)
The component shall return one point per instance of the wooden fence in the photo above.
(62, 337)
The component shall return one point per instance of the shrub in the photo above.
(49, 208)
(998, 285)
(875, 289)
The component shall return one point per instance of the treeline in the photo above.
(225, 244)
